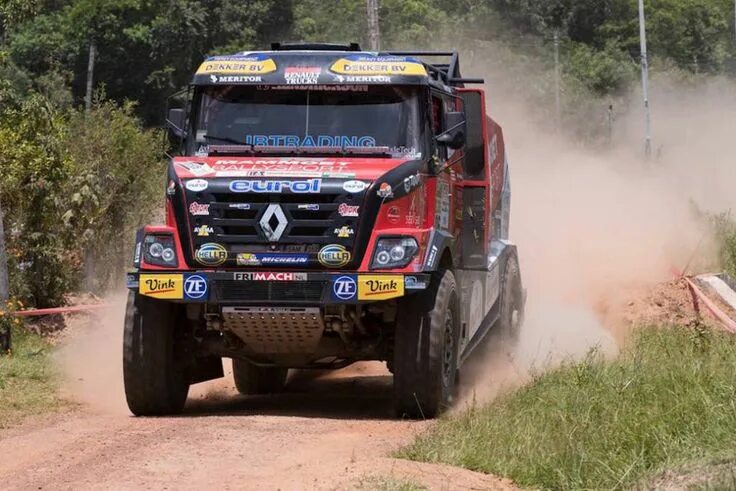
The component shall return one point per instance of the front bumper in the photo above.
(274, 288)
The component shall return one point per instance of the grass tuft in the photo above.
(670, 398)
(28, 384)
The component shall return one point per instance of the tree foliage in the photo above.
(74, 186)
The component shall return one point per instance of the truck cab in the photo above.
(325, 205)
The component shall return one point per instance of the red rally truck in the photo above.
(326, 205)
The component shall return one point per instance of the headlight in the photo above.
(394, 253)
(158, 250)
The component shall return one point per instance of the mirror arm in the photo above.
(450, 130)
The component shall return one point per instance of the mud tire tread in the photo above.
(419, 348)
(155, 383)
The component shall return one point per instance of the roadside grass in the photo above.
(28, 384)
(386, 483)
(668, 400)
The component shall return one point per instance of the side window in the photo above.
(438, 114)
(452, 105)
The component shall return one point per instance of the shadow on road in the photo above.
(353, 393)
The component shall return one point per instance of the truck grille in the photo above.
(272, 222)
(261, 291)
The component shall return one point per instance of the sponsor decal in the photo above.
(432, 256)
(302, 75)
(385, 191)
(344, 288)
(411, 182)
(195, 287)
(235, 79)
(393, 214)
(346, 210)
(211, 254)
(253, 186)
(202, 151)
(321, 88)
(131, 281)
(378, 65)
(413, 283)
(442, 214)
(196, 185)
(239, 206)
(247, 259)
(196, 168)
(412, 219)
(287, 259)
(198, 209)
(344, 232)
(203, 231)
(383, 287)
(296, 141)
(365, 79)
(171, 188)
(310, 207)
(270, 276)
(354, 186)
(334, 256)
(166, 286)
(237, 65)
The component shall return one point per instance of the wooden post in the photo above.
(5, 335)
(90, 76)
(374, 30)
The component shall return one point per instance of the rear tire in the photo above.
(252, 379)
(155, 379)
(512, 304)
(426, 350)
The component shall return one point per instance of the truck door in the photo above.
(479, 274)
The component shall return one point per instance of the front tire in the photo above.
(155, 379)
(252, 379)
(426, 350)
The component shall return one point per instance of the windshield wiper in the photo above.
(384, 151)
(226, 140)
(274, 149)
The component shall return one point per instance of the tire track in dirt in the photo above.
(330, 431)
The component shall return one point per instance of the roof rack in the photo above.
(314, 47)
(447, 73)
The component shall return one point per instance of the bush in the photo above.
(725, 229)
(73, 188)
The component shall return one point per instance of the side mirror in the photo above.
(175, 123)
(454, 134)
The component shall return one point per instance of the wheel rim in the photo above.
(447, 365)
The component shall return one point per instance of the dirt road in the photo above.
(331, 432)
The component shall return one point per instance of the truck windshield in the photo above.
(304, 117)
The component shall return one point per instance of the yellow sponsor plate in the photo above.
(166, 286)
(380, 287)
(237, 67)
(377, 66)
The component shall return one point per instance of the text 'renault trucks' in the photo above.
(326, 206)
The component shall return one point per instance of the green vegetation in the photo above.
(61, 167)
(668, 400)
(725, 231)
(28, 384)
(381, 483)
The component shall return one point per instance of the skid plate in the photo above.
(272, 330)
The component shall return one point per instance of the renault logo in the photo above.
(273, 222)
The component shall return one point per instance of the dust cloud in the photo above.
(597, 226)
(91, 358)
